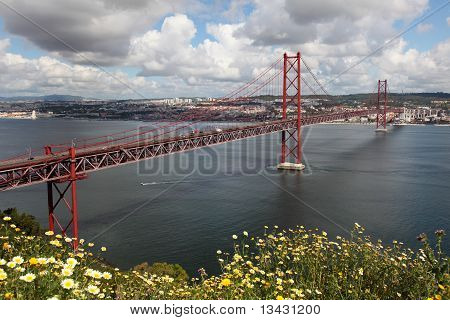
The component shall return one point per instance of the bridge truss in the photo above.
(61, 170)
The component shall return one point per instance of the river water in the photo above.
(183, 208)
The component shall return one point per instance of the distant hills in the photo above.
(400, 96)
(53, 97)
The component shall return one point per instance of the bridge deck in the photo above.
(25, 172)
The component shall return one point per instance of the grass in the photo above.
(281, 264)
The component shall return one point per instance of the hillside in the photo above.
(291, 264)
(53, 97)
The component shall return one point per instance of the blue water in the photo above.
(397, 185)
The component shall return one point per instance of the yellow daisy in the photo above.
(29, 277)
(67, 283)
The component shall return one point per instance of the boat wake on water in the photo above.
(154, 183)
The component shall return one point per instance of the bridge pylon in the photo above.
(381, 106)
(68, 184)
(291, 143)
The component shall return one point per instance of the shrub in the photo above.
(24, 221)
(174, 271)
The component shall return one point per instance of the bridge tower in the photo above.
(69, 184)
(381, 106)
(291, 144)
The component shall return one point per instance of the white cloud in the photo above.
(169, 52)
(332, 36)
(411, 70)
(327, 21)
(424, 27)
(448, 21)
(100, 29)
(46, 75)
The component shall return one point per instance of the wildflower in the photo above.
(357, 225)
(33, 261)
(59, 236)
(103, 249)
(11, 264)
(67, 272)
(96, 274)
(219, 252)
(93, 289)
(68, 240)
(51, 260)
(279, 298)
(235, 237)
(245, 233)
(438, 297)
(90, 244)
(225, 282)
(67, 283)
(422, 237)
(49, 233)
(18, 259)
(439, 233)
(42, 260)
(29, 277)
(6, 246)
(88, 272)
(56, 243)
(2, 262)
(72, 262)
(7, 218)
(8, 295)
(361, 271)
(3, 275)
(324, 233)
(107, 275)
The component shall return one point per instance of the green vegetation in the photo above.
(281, 264)
(26, 222)
(160, 269)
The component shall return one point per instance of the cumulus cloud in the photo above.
(327, 21)
(331, 34)
(46, 75)
(169, 52)
(100, 29)
(415, 71)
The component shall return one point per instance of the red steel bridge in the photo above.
(61, 166)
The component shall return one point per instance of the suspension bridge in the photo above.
(60, 166)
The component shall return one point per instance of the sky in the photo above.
(159, 48)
